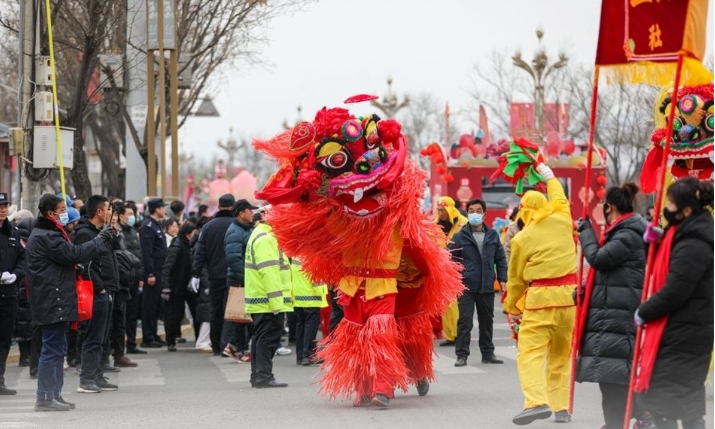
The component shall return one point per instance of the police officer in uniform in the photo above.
(12, 271)
(153, 244)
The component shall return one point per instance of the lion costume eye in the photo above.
(336, 160)
(371, 136)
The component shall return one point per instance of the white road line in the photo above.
(147, 374)
(232, 371)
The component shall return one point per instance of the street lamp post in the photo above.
(539, 70)
(390, 105)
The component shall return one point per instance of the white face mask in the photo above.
(131, 220)
(64, 218)
(475, 219)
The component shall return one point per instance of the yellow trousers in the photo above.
(449, 322)
(543, 360)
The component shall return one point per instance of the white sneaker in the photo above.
(283, 351)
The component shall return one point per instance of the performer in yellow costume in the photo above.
(542, 279)
(451, 221)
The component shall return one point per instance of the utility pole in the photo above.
(29, 189)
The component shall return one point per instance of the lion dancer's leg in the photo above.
(362, 356)
(415, 330)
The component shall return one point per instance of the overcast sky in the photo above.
(338, 48)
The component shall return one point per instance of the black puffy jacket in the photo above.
(209, 250)
(609, 334)
(681, 366)
(51, 263)
(177, 267)
(102, 269)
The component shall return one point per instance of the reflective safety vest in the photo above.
(267, 274)
(305, 292)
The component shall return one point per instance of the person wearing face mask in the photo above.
(51, 259)
(678, 316)
(542, 279)
(479, 250)
(130, 236)
(176, 275)
(611, 297)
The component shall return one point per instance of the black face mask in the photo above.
(671, 217)
(605, 214)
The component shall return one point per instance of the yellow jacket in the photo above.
(377, 280)
(306, 293)
(542, 251)
(267, 274)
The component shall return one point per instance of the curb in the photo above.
(14, 356)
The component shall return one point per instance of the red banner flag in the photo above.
(641, 39)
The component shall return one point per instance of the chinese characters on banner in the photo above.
(645, 33)
(651, 30)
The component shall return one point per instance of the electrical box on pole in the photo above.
(45, 147)
(43, 106)
(43, 71)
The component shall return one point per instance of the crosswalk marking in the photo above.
(232, 371)
(148, 373)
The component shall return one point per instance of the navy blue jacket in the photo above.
(479, 274)
(209, 250)
(12, 258)
(153, 244)
(235, 243)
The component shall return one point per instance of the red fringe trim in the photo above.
(320, 233)
(417, 347)
(357, 355)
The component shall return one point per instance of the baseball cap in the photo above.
(4, 199)
(226, 200)
(242, 205)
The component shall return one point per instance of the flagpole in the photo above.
(576, 342)
(663, 172)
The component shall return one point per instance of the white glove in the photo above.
(194, 284)
(545, 171)
(638, 320)
(7, 278)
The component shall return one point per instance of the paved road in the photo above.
(193, 390)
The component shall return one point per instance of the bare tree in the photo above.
(421, 121)
(216, 35)
(624, 120)
(496, 84)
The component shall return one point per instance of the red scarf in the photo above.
(583, 310)
(60, 227)
(652, 331)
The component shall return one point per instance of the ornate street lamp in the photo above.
(539, 70)
(390, 104)
(232, 146)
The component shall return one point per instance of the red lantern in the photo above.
(601, 193)
(568, 147)
(552, 149)
(601, 180)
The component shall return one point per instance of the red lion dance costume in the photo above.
(346, 202)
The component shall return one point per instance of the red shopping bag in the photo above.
(85, 298)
